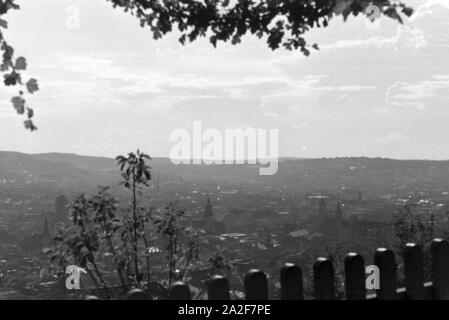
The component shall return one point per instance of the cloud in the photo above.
(428, 9)
(419, 94)
(392, 137)
(406, 37)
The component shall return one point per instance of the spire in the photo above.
(360, 197)
(46, 230)
(322, 207)
(338, 211)
(208, 213)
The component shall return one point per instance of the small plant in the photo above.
(100, 231)
(136, 175)
(219, 264)
(181, 244)
(93, 223)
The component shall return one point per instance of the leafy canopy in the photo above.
(281, 22)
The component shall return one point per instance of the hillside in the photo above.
(74, 173)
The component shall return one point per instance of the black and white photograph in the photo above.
(224, 150)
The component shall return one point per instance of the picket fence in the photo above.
(291, 279)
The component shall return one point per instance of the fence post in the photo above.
(440, 269)
(218, 288)
(384, 259)
(291, 282)
(323, 279)
(180, 291)
(136, 294)
(414, 274)
(256, 287)
(355, 277)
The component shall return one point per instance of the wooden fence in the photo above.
(291, 279)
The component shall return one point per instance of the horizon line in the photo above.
(191, 159)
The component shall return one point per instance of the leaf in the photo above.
(19, 104)
(5, 66)
(32, 85)
(407, 11)
(21, 63)
(29, 125)
(341, 6)
(156, 34)
(236, 39)
(8, 51)
(11, 79)
(3, 23)
(182, 39)
(30, 113)
(213, 40)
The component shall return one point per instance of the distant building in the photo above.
(37, 242)
(208, 212)
(61, 207)
(322, 211)
(360, 197)
(60, 213)
(332, 224)
(339, 212)
(210, 222)
(46, 235)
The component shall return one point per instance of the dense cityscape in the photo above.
(252, 221)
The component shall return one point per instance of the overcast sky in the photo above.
(109, 88)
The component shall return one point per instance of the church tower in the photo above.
(322, 207)
(322, 211)
(339, 213)
(208, 212)
(45, 238)
(360, 197)
(46, 229)
(61, 214)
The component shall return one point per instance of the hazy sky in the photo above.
(108, 87)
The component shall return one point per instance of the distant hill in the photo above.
(74, 172)
(82, 162)
(59, 171)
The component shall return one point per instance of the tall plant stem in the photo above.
(147, 255)
(134, 208)
(119, 268)
(95, 281)
(103, 283)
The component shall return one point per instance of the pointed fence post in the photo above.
(137, 294)
(414, 273)
(180, 291)
(355, 277)
(324, 279)
(440, 269)
(218, 288)
(256, 286)
(291, 282)
(384, 259)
